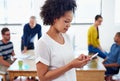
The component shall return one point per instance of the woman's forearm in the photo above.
(52, 74)
(57, 72)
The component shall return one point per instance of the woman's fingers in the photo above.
(82, 62)
(83, 57)
(88, 57)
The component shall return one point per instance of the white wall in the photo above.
(108, 29)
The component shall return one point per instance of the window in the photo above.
(86, 10)
(19, 11)
(2, 11)
(117, 11)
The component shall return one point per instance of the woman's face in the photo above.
(99, 21)
(63, 23)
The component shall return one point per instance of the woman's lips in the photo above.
(66, 29)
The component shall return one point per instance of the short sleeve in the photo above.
(12, 46)
(0, 54)
(118, 61)
(42, 53)
(0, 51)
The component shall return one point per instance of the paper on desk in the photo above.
(26, 56)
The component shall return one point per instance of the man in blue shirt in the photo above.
(29, 32)
(112, 62)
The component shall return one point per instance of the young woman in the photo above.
(54, 54)
(93, 38)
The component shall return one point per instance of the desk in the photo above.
(28, 69)
(93, 71)
(3, 77)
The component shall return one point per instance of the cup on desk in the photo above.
(20, 64)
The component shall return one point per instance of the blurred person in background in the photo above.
(6, 51)
(112, 61)
(29, 32)
(93, 38)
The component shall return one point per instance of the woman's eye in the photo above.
(66, 21)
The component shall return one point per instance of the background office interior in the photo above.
(15, 13)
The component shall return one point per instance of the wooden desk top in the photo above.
(28, 65)
(28, 62)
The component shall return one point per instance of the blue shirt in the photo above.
(6, 50)
(114, 55)
(29, 33)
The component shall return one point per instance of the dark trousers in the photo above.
(29, 47)
(111, 71)
(94, 50)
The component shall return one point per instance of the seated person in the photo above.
(94, 45)
(6, 50)
(112, 61)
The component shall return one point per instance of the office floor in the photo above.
(22, 79)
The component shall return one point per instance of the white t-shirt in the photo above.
(56, 55)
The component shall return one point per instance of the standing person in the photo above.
(6, 50)
(29, 32)
(93, 38)
(54, 53)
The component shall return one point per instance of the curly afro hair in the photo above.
(54, 9)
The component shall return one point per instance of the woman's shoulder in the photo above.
(44, 40)
(92, 27)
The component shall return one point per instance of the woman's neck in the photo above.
(53, 32)
(56, 35)
(95, 25)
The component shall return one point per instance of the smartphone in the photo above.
(94, 56)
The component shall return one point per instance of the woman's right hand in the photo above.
(80, 61)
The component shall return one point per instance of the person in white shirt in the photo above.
(54, 53)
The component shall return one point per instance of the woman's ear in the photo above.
(55, 20)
